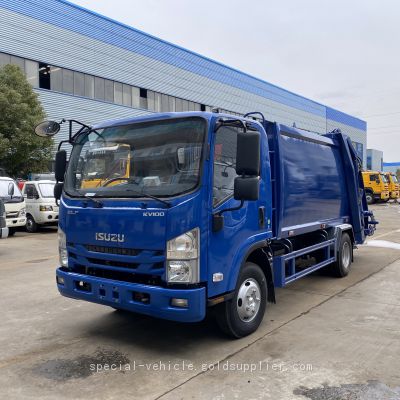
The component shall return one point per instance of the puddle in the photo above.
(372, 390)
(383, 243)
(81, 366)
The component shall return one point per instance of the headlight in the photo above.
(22, 212)
(183, 264)
(62, 248)
(46, 208)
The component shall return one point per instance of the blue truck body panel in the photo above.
(308, 183)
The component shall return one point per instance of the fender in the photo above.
(338, 232)
(259, 241)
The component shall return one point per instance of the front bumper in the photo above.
(394, 195)
(384, 195)
(119, 294)
(47, 217)
(15, 222)
(3, 233)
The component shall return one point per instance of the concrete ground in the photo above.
(326, 338)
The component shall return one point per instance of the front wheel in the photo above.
(370, 198)
(242, 315)
(342, 265)
(31, 225)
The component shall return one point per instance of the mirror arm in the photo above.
(230, 122)
(232, 208)
(255, 113)
(218, 219)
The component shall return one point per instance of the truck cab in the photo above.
(216, 211)
(14, 204)
(376, 186)
(41, 207)
(393, 184)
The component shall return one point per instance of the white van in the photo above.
(41, 208)
(14, 204)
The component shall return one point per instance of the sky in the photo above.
(342, 53)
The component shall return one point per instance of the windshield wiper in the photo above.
(150, 196)
(97, 202)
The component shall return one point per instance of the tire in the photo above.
(370, 198)
(341, 267)
(31, 225)
(242, 315)
(11, 231)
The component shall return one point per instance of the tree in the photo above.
(21, 151)
(398, 174)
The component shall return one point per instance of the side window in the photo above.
(373, 178)
(35, 192)
(224, 164)
(29, 191)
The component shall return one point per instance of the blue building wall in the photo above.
(81, 44)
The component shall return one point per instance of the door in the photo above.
(32, 200)
(240, 226)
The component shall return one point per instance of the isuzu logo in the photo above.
(153, 213)
(110, 237)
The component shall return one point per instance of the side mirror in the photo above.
(11, 189)
(246, 188)
(60, 165)
(47, 128)
(247, 185)
(58, 187)
(248, 153)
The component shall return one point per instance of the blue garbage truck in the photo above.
(203, 212)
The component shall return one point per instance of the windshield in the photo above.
(4, 191)
(394, 178)
(159, 158)
(384, 178)
(46, 189)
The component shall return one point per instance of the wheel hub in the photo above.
(249, 299)
(346, 255)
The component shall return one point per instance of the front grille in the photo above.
(124, 264)
(112, 263)
(112, 250)
(12, 214)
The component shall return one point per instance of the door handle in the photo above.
(261, 217)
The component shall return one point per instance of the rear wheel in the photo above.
(242, 315)
(31, 225)
(370, 198)
(342, 265)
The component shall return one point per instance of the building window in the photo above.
(32, 72)
(127, 95)
(79, 84)
(89, 86)
(171, 103)
(68, 81)
(146, 99)
(135, 97)
(109, 90)
(118, 92)
(98, 88)
(20, 62)
(44, 76)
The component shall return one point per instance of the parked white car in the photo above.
(14, 204)
(41, 208)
